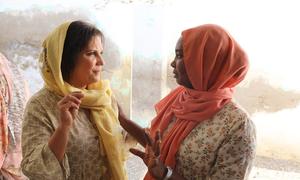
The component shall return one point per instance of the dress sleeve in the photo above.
(39, 162)
(235, 156)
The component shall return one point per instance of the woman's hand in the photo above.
(151, 156)
(68, 108)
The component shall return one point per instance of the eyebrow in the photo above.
(93, 50)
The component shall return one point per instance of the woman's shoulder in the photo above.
(44, 98)
(234, 111)
(233, 116)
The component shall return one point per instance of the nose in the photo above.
(100, 60)
(173, 63)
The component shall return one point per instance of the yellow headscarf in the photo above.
(97, 98)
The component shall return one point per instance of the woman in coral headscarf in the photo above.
(199, 132)
(70, 128)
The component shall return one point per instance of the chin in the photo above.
(96, 79)
(178, 81)
(93, 79)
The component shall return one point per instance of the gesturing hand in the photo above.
(68, 108)
(151, 156)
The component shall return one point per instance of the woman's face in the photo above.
(179, 71)
(89, 63)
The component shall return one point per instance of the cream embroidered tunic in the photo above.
(84, 159)
(222, 148)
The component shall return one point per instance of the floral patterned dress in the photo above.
(222, 148)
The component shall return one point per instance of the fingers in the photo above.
(157, 136)
(77, 94)
(151, 156)
(152, 162)
(75, 97)
(154, 145)
(68, 106)
(71, 99)
(148, 138)
(152, 149)
(74, 111)
(157, 143)
(137, 153)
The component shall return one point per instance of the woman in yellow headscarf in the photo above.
(70, 128)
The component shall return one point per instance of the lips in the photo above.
(97, 70)
(175, 74)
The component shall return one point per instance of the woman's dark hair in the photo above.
(77, 38)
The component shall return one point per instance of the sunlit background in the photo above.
(140, 41)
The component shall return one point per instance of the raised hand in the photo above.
(151, 156)
(68, 108)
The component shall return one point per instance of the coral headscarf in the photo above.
(215, 63)
(97, 98)
(6, 73)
